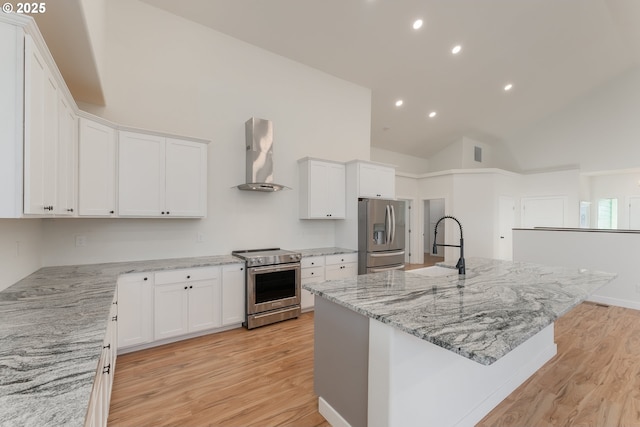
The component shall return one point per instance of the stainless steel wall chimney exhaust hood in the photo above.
(259, 168)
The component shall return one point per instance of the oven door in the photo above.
(272, 287)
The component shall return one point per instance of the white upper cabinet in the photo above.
(322, 189)
(40, 133)
(376, 181)
(141, 160)
(97, 169)
(186, 178)
(67, 159)
(11, 122)
(163, 177)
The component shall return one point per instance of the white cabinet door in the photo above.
(341, 266)
(203, 303)
(336, 187)
(40, 133)
(67, 158)
(12, 122)
(322, 189)
(376, 181)
(341, 271)
(233, 294)
(135, 308)
(141, 174)
(186, 178)
(170, 314)
(97, 169)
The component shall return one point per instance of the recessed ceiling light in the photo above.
(456, 49)
(432, 114)
(417, 24)
(508, 87)
(399, 102)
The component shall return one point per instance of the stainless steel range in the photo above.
(273, 285)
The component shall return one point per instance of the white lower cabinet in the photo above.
(233, 294)
(186, 301)
(341, 266)
(98, 410)
(135, 308)
(312, 271)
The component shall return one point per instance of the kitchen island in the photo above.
(427, 347)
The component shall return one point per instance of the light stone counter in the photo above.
(425, 347)
(325, 251)
(499, 305)
(52, 325)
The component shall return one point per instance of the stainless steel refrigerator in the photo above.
(381, 231)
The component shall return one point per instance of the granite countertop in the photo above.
(325, 251)
(52, 325)
(495, 308)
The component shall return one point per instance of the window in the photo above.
(608, 213)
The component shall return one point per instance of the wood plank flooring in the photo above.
(594, 380)
(262, 377)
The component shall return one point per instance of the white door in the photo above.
(634, 213)
(233, 294)
(506, 218)
(185, 178)
(170, 310)
(97, 169)
(336, 189)
(135, 297)
(40, 134)
(203, 296)
(319, 204)
(141, 178)
(67, 159)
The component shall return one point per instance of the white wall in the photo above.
(598, 131)
(20, 249)
(563, 183)
(402, 162)
(450, 157)
(604, 251)
(168, 74)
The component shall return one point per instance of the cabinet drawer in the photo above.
(307, 273)
(341, 258)
(177, 276)
(316, 261)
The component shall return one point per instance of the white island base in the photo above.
(409, 381)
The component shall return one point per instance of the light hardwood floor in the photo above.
(594, 380)
(261, 377)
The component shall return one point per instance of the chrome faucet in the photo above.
(460, 265)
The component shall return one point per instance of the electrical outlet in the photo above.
(81, 241)
(17, 248)
(200, 237)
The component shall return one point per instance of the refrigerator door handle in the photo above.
(387, 223)
(393, 223)
(385, 254)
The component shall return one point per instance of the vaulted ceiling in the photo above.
(551, 51)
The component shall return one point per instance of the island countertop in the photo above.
(495, 308)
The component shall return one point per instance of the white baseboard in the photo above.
(330, 414)
(614, 301)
